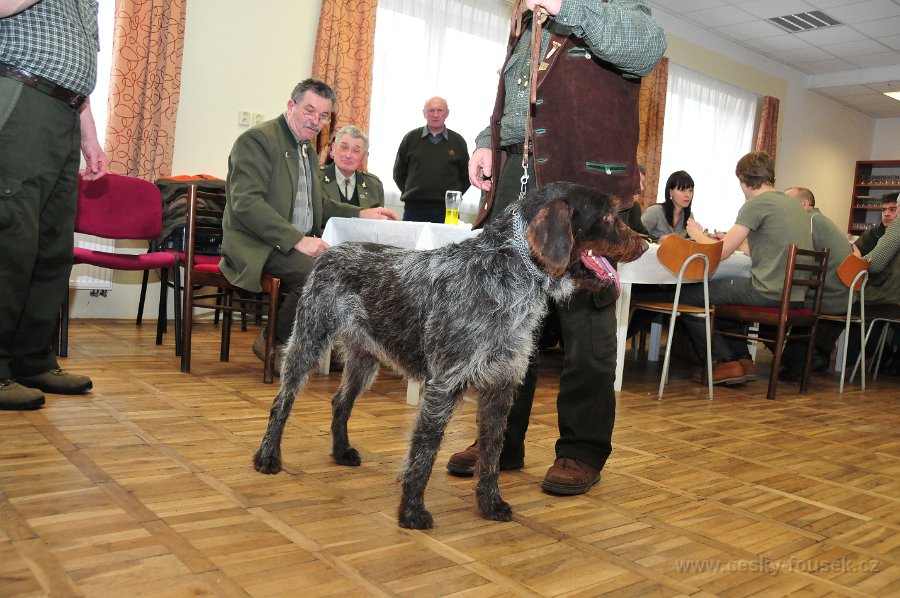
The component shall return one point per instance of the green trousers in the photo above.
(40, 141)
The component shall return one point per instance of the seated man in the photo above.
(275, 211)
(342, 181)
(769, 221)
(866, 241)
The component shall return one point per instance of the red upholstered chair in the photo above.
(122, 207)
(810, 274)
(199, 274)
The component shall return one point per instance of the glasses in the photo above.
(353, 149)
(310, 113)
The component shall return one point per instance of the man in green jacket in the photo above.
(275, 212)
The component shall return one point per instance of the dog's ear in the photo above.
(550, 238)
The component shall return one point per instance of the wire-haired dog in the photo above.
(463, 316)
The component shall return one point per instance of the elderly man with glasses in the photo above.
(275, 212)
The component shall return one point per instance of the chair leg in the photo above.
(776, 362)
(187, 324)
(162, 310)
(807, 367)
(274, 296)
(176, 302)
(227, 317)
(879, 349)
(140, 314)
(664, 378)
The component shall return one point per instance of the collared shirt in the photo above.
(435, 139)
(620, 32)
(886, 250)
(302, 210)
(346, 185)
(55, 39)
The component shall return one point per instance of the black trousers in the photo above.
(293, 269)
(586, 403)
(40, 141)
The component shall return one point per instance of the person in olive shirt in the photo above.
(769, 221)
(342, 181)
(48, 67)
(431, 161)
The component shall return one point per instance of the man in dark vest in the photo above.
(585, 129)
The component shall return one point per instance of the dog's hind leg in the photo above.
(308, 342)
(360, 370)
(435, 411)
(493, 408)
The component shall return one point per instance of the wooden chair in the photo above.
(123, 207)
(783, 318)
(854, 273)
(204, 274)
(691, 262)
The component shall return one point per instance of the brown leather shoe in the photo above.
(463, 462)
(57, 381)
(259, 349)
(749, 369)
(570, 477)
(15, 397)
(726, 372)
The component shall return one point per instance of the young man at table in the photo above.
(342, 180)
(275, 212)
(769, 221)
(621, 42)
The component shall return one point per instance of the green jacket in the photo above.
(263, 171)
(369, 189)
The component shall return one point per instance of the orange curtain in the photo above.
(767, 136)
(652, 113)
(345, 49)
(144, 87)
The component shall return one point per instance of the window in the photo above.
(708, 126)
(426, 48)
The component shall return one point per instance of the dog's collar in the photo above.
(522, 245)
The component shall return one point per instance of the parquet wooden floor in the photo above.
(145, 488)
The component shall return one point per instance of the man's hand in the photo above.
(379, 214)
(311, 246)
(480, 168)
(551, 7)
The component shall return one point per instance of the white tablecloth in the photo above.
(648, 270)
(410, 235)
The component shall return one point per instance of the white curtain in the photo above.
(426, 48)
(708, 127)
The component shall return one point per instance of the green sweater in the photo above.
(424, 170)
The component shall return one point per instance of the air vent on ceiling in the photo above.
(804, 21)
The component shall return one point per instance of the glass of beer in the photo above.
(452, 199)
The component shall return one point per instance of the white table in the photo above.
(409, 235)
(648, 270)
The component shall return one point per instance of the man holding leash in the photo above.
(592, 54)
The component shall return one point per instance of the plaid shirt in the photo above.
(620, 32)
(55, 39)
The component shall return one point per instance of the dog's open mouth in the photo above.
(601, 268)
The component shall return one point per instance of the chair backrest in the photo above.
(675, 251)
(850, 269)
(119, 207)
(808, 273)
(203, 218)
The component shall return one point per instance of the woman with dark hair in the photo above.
(672, 216)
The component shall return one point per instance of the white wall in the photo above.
(240, 55)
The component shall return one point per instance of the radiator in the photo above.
(85, 276)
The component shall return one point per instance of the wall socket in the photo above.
(257, 118)
(244, 118)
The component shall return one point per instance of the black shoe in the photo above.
(790, 374)
(820, 361)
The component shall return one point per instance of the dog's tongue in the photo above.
(601, 268)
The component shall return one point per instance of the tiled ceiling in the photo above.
(853, 63)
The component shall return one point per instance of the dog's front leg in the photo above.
(435, 411)
(493, 408)
(268, 457)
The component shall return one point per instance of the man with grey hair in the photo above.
(431, 160)
(342, 179)
(275, 212)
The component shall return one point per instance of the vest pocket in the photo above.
(608, 168)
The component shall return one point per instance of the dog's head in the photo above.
(577, 230)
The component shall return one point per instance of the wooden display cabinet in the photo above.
(873, 179)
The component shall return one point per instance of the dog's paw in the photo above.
(347, 457)
(497, 511)
(415, 519)
(264, 463)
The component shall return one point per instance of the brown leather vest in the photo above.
(585, 123)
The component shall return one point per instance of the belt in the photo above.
(75, 100)
(516, 148)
